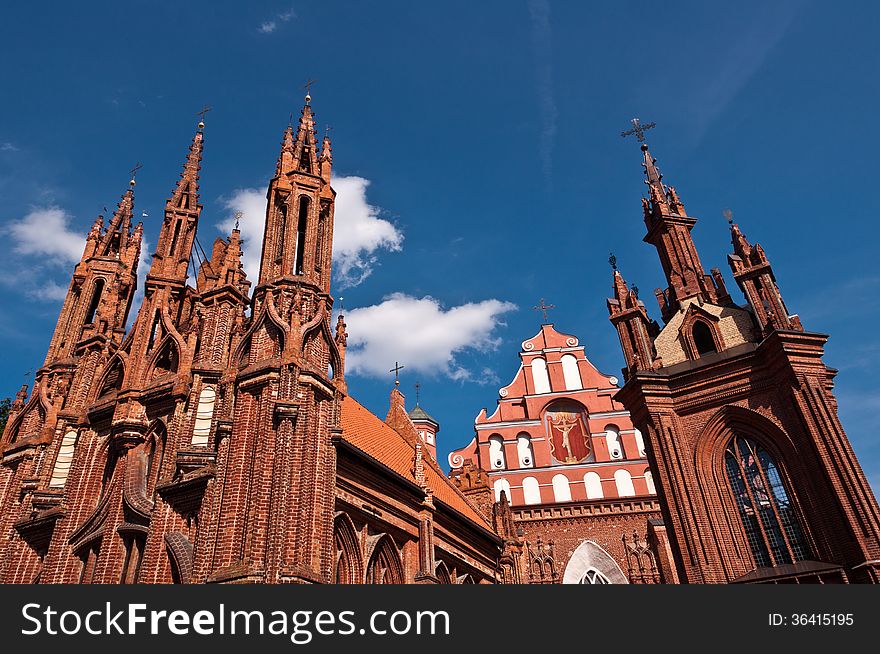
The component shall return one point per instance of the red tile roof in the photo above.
(373, 437)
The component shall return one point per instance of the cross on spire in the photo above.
(418, 391)
(133, 172)
(396, 370)
(638, 129)
(201, 115)
(543, 308)
(612, 261)
(238, 215)
(308, 87)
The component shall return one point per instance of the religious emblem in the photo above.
(569, 438)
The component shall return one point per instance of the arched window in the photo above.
(624, 483)
(570, 373)
(593, 576)
(640, 442)
(501, 485)
(539, 376)
(95, 301)
(385, 566)
(204, 416)
(301, 235)
(348, 568)
(525, 451)
(63, 460)
(649, 480)
(612, 437)
(768, 516)
(496, 452)
(593, 483)
(531, 491)
(561, 489)
(703, 340)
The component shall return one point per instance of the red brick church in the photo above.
(214, 441)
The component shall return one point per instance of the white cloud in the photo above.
(8, 147)
(422, 335)
(359, 233)
(252, 204)
(269, 26)
(45, 232)
(49, 291)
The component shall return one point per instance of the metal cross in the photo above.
(238, 215)
(418, 391)
(201, 114)
(396, 370)
(543, 308)
(308, 87)
(727, 213)
(136, 168)
(638, 129)
(612, 260)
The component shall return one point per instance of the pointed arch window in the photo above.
(64, 460)
(385, 566)
(204, 416)
(703, 340)
(301, 235)
(765, 507)
(97, 289)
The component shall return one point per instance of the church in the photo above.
(215, 441)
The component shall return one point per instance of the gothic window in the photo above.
(204, 416)
(113, 378)
(765, 508)
(496, 452)
(282, 229)
(501, 485)
(63, 460)
(649, 480)
(154, 331)
(348, 569)
(539, 376)
(301, 235)
(570, 373)
(703, 340)
(524, 451)
(134, 552)
(593, 576)
(385, 566)
(561, 489)
(175, 237)
(93, 304)
(593, 484)
(612, 438)
(531, 491)
(624, 482)
(89, 558)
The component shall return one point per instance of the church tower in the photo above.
(757, 478)
(277, 513)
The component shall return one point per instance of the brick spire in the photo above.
(669, 230)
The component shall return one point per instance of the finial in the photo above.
(612, 260)
(308, 87)
(727, 213)
(201, 115)
(396, 370)
(635, 291)
(133, 172)
(238, 215)
(639, 130)
(543, 309)
(418, 392)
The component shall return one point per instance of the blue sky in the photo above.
(478, 150)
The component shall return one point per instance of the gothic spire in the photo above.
(119, 228)
(186, 193)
